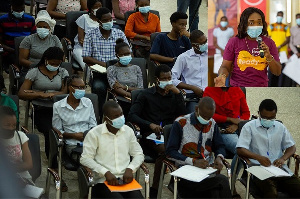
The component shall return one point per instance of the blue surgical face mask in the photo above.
(107, 25)
(118, 122)
(254, 31)
(202, 120)
(163, 84)
(42, 32)
(223, 23)
(202, 48)
(279, 19)
(18, 14)
(125, 60)
(298, 21)
(144, 9)
(266, 123)
(52, 68)
(78, 93)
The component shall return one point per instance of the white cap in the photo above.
(44, 16)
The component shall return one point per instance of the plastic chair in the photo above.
(34, 147)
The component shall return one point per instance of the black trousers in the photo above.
(100, 190)
(212, 187)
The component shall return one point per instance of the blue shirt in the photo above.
(164, 46)
(100, 48)
(263, 141)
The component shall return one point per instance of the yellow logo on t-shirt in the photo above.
(245, 60)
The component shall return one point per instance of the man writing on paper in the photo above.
(193, 139)
(265, 141)
(107, 150)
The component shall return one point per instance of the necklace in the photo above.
(248, 46)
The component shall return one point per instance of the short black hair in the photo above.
(224, 17)
(177, 15)
(163, 68)
(91, 3)
(120, 44)
(109, 105)
(102, 11)
(195, 34)
(243, 25)
(17, 3)
(70, 79)
(6, 111)
(297, 15)
(268, 105)
(50, 54)
(207, 102)
(280, 12)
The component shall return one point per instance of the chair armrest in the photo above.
(24, 129)
(69, 44)
(15, 71)
(89, 174)
(297, 163)
(145, 169)
(170, 164)
(58, 133)
(56, 178)
(136, 129)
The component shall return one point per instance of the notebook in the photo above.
(134, 185)
(263, 173)
(98, 68)
(33, 191)
(193, 173)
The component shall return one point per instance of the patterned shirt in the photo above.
(100, 48)
(188, 140)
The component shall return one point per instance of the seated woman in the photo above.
(59, 8)
(33, 46)
(124, 77)
(119, 8)
(40, 85)
(85, 22)
(140, 26)
(15, 142)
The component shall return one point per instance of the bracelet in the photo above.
(270, 60)
(126, 88)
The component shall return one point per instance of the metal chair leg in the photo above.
(147, 183)
(48, 180)
(175, 187)
(234, 176)
(248, 183)
(161, 180)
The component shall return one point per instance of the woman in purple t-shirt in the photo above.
(242, 56)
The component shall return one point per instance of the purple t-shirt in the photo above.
(249, 70)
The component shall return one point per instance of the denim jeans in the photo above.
(182, 6)
(230, 141)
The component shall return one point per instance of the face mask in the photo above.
(144, 9)
(118, 122)
(202, 48)
(254, 31)
(95, 11)
(42, 32)
(223, 23)
(279, 19)
(266, 123)
(79, 93)
(163, 84)
(125, 60)
(107, 25)
(298, 21)
(51, 68)
(202, 121)
(18, 14)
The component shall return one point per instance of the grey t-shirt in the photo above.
(37, 46)
(41, 82)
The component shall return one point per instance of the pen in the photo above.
(268, 153)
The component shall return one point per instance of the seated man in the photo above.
(266, 141)
(154, 108)
(168, 46)
(108, 149)
(193, 139)
(99, 47)
(190, 69)
(12, 25)
(74, 115)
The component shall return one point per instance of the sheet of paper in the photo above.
(218, 59)
(276, 171)
(292, 69)
(134, 185)
(193, 173)
(260, 172)
(157, 141)
(283, 57)
(33, 191)
(98, 68)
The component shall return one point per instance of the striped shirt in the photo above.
(11, 27)
(100, 48)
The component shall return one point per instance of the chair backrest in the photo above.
(68, 67)
(34, 147)
(53, 149)
(107, 4)
(141, 62)
(244, 90)
(83, 182)
(166, 131)
(71, 26)
(93, 97)
(18, 41)
(15, 98)
(240, 126)
(154, 35)
(134, 95)
(128, 13)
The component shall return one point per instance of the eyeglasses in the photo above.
(79, 87)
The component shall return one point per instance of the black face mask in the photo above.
(7, 133)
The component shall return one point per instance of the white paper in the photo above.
(263, 173)
(292, 69)
(33, 191)
(98, 68)
(157, 141)
(218, 59)
(193, 173)
(278, 172)
(283, 57)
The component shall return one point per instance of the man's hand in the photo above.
(198, 91)
(279, 162)
(264, 161)
(172, 88)
(231, 128)
(184, 32)
(156, 128)
(220, 81)
(117, 85)
(128, 176)
(201, 163)
(218, 164)
(79, 136)
(111, 179)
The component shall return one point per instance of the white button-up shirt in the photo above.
(191, 68)
(104, 151)
(66, 119)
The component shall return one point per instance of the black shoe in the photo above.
(153, 193)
